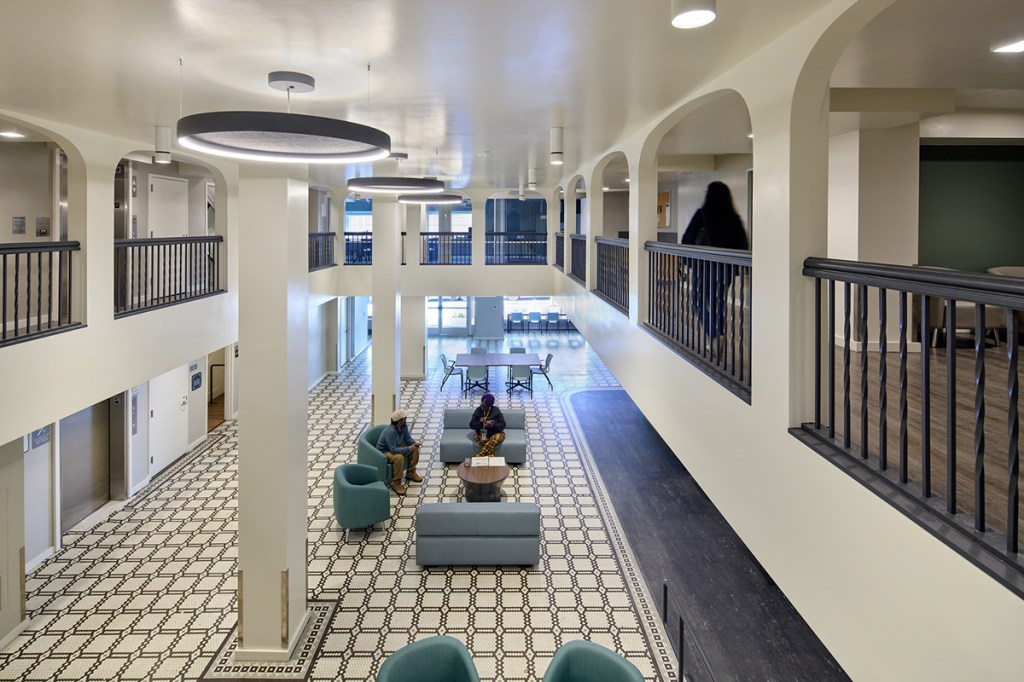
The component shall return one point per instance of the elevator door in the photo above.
(84, 464)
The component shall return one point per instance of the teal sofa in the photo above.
(478, 534)
(457, 442)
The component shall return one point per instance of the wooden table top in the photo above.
(483, 475)
(496, 359)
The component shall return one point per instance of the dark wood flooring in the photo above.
(215, 413)
(745, 626)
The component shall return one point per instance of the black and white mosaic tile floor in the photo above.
(149, 594)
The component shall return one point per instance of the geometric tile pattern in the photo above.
(150, 592)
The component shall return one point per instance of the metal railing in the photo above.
(578, 256)
(699, 303)
(516, 248)
(446, 248)
(560, 250)
(693, 662)
(154, 273)
(37, 290)
(321, 250)
(970, 502)
(613, 272)
(359, 248)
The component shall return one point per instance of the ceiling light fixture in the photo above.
(1011, 47)
(11, 134)
(396, 185)
(283, 137)
(556, 147)
(430, 199)
(162, 145)
(627, 180)
(692, 13)
(531, 179)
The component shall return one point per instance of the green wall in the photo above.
(972, 207)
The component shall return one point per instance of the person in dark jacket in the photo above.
(397, 444)
(489, 424)
(715, 224)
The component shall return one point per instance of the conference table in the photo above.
(488, 360)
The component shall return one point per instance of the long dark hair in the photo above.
(718, 201)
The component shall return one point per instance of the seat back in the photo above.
(552, 317)
(435, 659)
(547, 363)
(535, 318)
(582, 661)
(516, 349)
(444, 363)
(515, 317)
(478, 349)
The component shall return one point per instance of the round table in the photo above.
(483, 484)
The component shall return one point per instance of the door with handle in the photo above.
(168, 418)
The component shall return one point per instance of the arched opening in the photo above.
(578, 228)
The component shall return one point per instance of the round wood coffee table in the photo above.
(483, 484)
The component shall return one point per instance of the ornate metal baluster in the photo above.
(950, 406)
(1013, 424)
(979, 417)
(831, 359)
(846, 365)
(904, 410)
(883, 378)
(926, 402)
(863, 291)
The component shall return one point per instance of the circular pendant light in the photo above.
(396, 185)
(430, 199)
(283, 137)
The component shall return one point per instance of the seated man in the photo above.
(489, 424)
(396, 442)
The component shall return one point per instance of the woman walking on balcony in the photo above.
(717, 224)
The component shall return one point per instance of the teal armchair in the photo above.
(367, 452)
(434, 659)
(360, 499)
(583, 661)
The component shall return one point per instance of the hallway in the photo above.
(150, 592)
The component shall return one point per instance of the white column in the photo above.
(643, 227)
(387, 318)
(414, 337)
(272, 462)
(479, 229)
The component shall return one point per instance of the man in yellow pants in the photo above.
(489, 424)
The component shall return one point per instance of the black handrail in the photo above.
(983, 526)
(38, 292)
(613, 272)
(158, 272)
(699, 304)
(321, 250)
(516, 248)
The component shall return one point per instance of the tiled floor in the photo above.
(148, 594)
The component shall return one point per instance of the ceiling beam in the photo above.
(931, 100)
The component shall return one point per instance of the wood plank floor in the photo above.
(996, 434)
(744, 623)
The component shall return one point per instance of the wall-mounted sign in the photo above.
(197, 381)
(43, 227)
(193, 367)
(40, 437)
(135, 411)
(18, 224)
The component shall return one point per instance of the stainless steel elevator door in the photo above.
(84, 464)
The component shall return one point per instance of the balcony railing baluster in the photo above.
(321, 250)
(29, 280)
(613, 272)
(154, 273)
(983, 526)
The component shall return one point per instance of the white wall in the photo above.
(197, 402)
(39, 501)
(317, 360)
(25, 189)
(616, 213)
(12, 534)
(138, 437)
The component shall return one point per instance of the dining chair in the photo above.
(534, 320)
(450, 369)
(514, 319)
(544, 369)
(513, 349)
(553, 318)
(520, 376)
(481, 350)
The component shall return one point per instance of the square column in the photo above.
(386, 344)
(273, 406)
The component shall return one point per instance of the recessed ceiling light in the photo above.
(1012, 47)
(750, 136)
(627, 179)
(692, 13)
(606, 189)
(11, 134)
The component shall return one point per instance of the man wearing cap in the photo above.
(397, 444)
(489, 424)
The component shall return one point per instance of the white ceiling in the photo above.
(468, 88)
